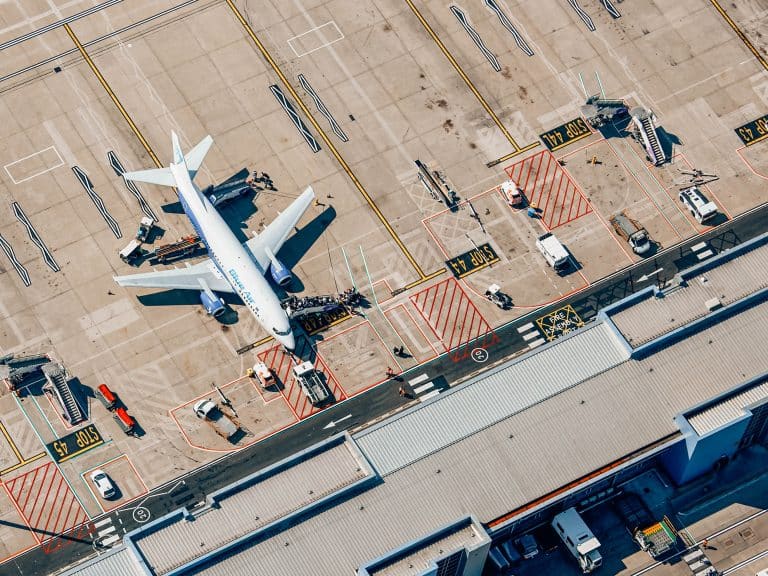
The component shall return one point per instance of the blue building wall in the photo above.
(695, 455)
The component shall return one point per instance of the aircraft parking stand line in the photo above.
(422, 352)
(740, 34)
(548, 186)
(476, 38)
(583, 15)
(47, 503)
(22, 217)
(453, 317)
(18, 266)
(117, 167)
(505, 21)
(327, 141)
(470, 85)
(82, 177)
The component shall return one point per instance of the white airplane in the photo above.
(232, 267)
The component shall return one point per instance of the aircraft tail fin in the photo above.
(164, 176)
(194, 157)
(178, 156)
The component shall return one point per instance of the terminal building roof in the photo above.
(488, 447)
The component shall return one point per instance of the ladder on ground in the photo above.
(58, 387)
(652, 140)
(644, 121)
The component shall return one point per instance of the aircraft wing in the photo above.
(274, 235)
(195, 277)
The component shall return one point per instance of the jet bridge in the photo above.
(645, 129)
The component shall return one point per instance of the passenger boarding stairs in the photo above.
(644, 123)
(58, 387)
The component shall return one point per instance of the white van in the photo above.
(701, 208)
(553, 251)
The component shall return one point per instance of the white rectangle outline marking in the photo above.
(341, 37)
(61, 163)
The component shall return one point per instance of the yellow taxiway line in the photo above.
(324, 136)
(22, 463)
(468, 82)
(113, 96)
(511, 155)
(740, 34)
(8, 438)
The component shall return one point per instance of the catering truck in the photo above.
(578, 538)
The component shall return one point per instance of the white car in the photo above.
(103, 483)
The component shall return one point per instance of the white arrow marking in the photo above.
(645, 277)
(332, 423)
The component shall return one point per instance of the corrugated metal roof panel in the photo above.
(654, 317)
(118, 561)
(713, 417)
(491, 397)
(257, 505)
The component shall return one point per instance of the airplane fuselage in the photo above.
(232, 260)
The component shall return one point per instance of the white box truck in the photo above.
(553, 251)
(578, 538)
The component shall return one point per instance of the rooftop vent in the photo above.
(713, 304)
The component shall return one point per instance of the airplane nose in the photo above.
(289, 342)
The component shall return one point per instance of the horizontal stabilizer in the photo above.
(161, 176)
(194, 157)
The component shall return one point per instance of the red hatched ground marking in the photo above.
(281, 363)
(547, 185)
(454, 318)
(48, 505)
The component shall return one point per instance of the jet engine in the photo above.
(213, 305)
(279, 272)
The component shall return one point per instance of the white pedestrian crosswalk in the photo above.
(531, 335)
(702, 250)
(423, 388)
(106, 536)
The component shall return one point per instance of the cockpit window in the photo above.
(283, 333)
